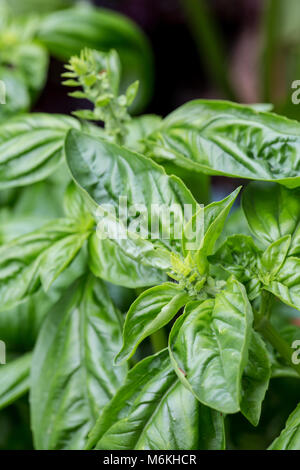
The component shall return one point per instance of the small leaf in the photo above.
(152, 310)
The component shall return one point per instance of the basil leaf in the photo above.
(32, 258)
(20, 326)
(139, 128)
(14, 379)
(31, 60)
(286, 285)
(273, 212)
(124, 271)
(240, 257)
(108, 172)
(223, 138)
(31, 147)
(153, 410)
(73, 375)
(255, 380)
(58, 257)
(209, 347)
(66, 33)
(289, 439)
(152, 310)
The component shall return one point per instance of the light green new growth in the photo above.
(98, 74)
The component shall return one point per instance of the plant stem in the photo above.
(159, 340)
(208, 41)
(273, 337)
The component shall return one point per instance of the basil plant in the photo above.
(138, 319)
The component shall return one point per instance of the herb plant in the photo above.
(95, 282)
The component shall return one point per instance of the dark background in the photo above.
(181, 71)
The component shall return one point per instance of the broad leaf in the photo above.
(289, 439)
(73, 375)
(273, 212)
(14, 379)
(31, 147)
(139, 128)
(274, 256)
(152, 310)
(141, 210)
(209, 347)
(154, 411)
(223, 138)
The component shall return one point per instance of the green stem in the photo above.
(273, 337)
(159, 340)
(208, 41)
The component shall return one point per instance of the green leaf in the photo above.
(255, 380)
(31, 60)
(31, 147)
(205, 227)
(289, 439)
(155, 204)
(14, 379)
(286, 285)
(152, 310)
(138, 128)
(33, 258)
(273, 212)
(65, 33)
(125, 270)
(20, 326)
(239, 256)
(73, 375)
(17, 97)
(59, 256)
(209, 347)
(274, 256)
(224, 138)
(108, 172)
(154, 411)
